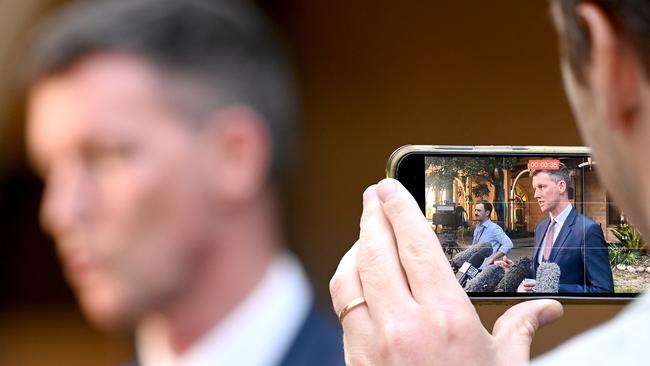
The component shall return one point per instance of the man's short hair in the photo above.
(486, 205)
(224, 50)
(557, 175)
(630, 18)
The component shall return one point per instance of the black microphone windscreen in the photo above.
(478, 258)
(514, 275)
(470, 269)
(487, 280)
(466, 254)
(485, 251)
(548, 278)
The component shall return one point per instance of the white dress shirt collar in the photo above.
(258, 332)
(561, 218)
(559, 222)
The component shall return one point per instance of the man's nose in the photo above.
(64, 199)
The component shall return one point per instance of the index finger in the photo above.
(384, 285)
(426, 266)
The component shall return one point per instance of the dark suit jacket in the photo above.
(580, 251)
(318, 343)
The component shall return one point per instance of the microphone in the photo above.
(514, 276)
(470, 269)
(548, 278)
(459, 259)
(487, 280)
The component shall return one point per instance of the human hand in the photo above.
(415, 312)
(505, 263)
(527, 285)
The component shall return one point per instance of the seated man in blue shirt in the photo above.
(488, 231)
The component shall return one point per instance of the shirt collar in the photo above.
(563, 215)
(258, 332)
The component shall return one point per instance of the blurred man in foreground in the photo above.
(161, 129)
(398, 273)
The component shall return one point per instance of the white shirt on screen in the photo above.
(559, 222)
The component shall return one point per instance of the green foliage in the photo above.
(487, 168)
(485, 171)
(620, 255)
(629, 236)
(480, 190)
(627, 289)
(630, 248)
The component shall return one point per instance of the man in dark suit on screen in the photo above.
(162, 129)
(571, 240)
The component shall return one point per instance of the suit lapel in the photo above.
(318, 343)
(563, 235)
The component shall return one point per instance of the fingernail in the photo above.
(370, 194)
(386, 189)
(550, 313)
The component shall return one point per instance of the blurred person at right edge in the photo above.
(396, 295)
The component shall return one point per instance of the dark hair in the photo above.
(225, 50)
(561, 174)
(486, 205)
(630, 19)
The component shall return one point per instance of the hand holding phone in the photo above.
(413, 311)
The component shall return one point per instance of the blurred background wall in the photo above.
(374, 75)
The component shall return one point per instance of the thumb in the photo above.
(514, 330)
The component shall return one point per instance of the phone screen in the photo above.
(528, 225)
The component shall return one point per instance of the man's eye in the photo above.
(109, 155)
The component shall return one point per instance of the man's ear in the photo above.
(615, 72)
(239, 154)
(562, 186)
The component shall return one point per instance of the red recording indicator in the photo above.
(543, 164)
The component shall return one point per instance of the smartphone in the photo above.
(521, 222)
